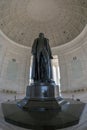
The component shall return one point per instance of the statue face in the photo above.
(41, 35)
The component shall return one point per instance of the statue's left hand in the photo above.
(51, 57)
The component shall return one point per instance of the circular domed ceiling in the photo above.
(60, 20)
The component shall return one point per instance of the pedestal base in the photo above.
(68, 115)
(42, 110)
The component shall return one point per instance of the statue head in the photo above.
(41, 35)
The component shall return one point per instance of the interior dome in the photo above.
(60, 20)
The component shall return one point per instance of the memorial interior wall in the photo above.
(73, 63)
(15, 61)
(14, 66)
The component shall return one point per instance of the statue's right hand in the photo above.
(34, 53)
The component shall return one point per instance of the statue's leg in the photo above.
(46, 64)
(51, 71)
(38, 66)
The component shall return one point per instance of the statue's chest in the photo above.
(41, 44)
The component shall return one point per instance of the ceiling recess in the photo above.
(60, 20)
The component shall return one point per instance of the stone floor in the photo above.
(81, 126)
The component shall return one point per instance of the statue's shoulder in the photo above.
(46, 39)
(36, 39)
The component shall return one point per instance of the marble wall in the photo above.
(14, 65)
(73, 63)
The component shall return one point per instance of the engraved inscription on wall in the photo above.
(12, 70)
(77, 70)
(0, 58)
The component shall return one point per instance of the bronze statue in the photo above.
(41, 69)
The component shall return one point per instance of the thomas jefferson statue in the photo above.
(41, 69)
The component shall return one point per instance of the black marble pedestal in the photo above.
(44, 119)
(42, 110)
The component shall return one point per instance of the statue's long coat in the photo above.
(36, 53)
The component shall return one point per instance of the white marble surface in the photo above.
(81, 126)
